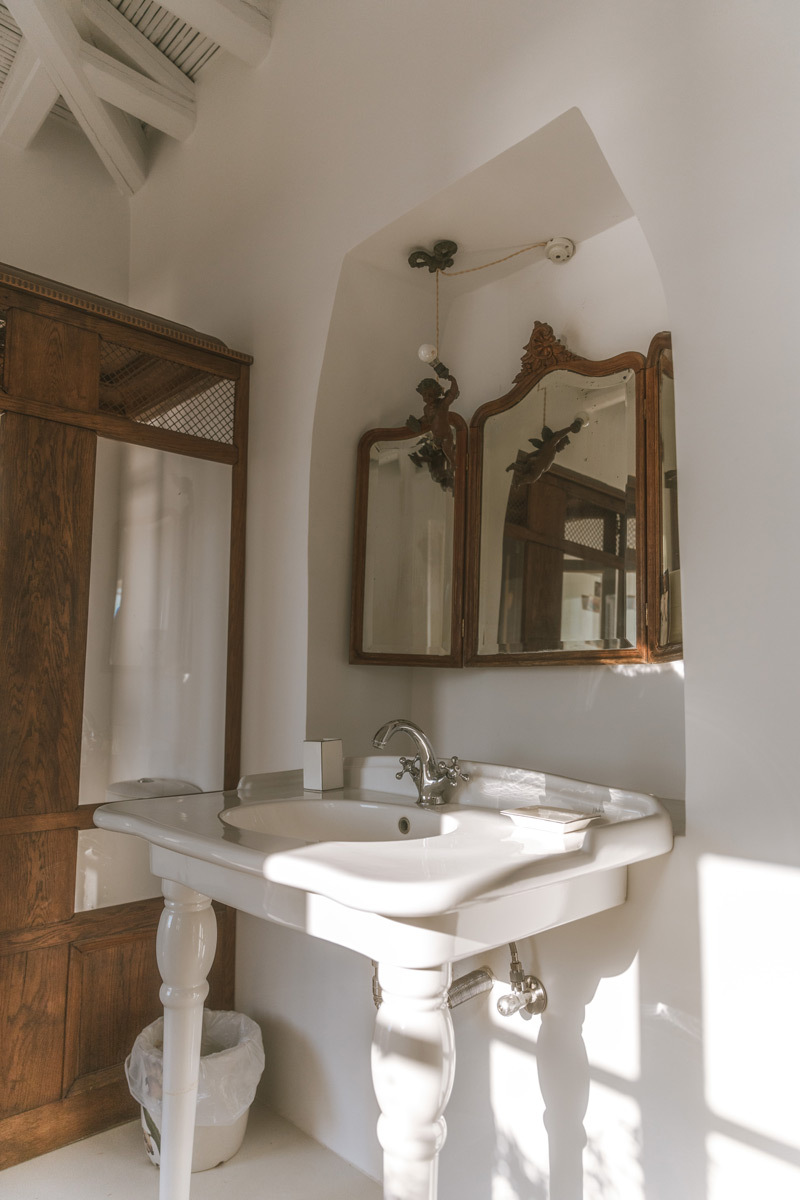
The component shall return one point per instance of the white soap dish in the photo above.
(550, 819)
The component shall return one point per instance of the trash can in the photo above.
(231, 1063)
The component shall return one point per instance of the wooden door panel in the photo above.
(46, 497)
(38, 874)
(32, 1018)
(113, 995)
(52, 361)
(114, 988)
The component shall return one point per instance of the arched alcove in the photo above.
(607, 299)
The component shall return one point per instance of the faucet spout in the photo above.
(419, 738)
(431, 776)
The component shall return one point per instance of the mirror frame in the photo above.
(543, 355)
(357, 652)
(658, 651)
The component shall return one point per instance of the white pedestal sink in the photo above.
(414, 889)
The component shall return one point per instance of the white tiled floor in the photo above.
(276, 1162)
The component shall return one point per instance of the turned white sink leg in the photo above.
(413, 1063)
(187, 939)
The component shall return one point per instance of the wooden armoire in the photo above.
(76, 987)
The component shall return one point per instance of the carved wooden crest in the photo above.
(543, 351)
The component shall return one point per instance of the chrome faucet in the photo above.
(431, 776)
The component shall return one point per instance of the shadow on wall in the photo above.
(515, 1178)
(560, 1109)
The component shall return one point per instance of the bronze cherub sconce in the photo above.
(436, 448)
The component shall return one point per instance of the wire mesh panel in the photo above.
(517, 510)
(593, 532)
(165, 394)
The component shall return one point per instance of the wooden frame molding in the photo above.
(669, 650)
(357, 652)
(88, 302)
(543, 355)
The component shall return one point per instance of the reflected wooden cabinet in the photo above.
(565, 494)
(77, 373)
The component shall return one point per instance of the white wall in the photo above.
(682, 1080)
(62, 217)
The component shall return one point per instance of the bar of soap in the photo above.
(549, 818)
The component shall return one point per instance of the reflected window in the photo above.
(156, 662)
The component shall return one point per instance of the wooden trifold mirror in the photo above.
(565, 495)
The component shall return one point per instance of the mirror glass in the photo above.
(156, 660)
(408, 556)
(670, 615)
(558, 568)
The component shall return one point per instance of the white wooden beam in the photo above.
(55, 39)
(135, 46)
(134, 93)
(233, 24)
(26, 98)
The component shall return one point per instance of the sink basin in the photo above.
(369, 869)
(339, 820)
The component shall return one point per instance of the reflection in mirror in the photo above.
(665, 510)
(409, 527)
(156, 662)
(558, 551)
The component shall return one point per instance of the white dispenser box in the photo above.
(323, 767)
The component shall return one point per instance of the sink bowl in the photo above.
(338, 820)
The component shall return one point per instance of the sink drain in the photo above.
(404, 824)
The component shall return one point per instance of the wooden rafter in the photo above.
(119, 143)
(134, 45)
(26, 98)
(109, 98)
(154, 103)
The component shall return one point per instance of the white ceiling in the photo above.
(556, 183)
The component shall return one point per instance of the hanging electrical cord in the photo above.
(559, 250)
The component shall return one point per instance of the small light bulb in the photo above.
(428, 355)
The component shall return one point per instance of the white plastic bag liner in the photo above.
(231, 1063)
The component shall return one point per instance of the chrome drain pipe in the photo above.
(468, 986)
(460, 990)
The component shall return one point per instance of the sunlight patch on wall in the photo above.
(752, 1054)
(738, 1172)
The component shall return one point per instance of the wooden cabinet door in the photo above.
(75, 989)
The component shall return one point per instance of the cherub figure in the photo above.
(436, 448)
(530, 466)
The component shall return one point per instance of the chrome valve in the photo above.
(527, 995)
